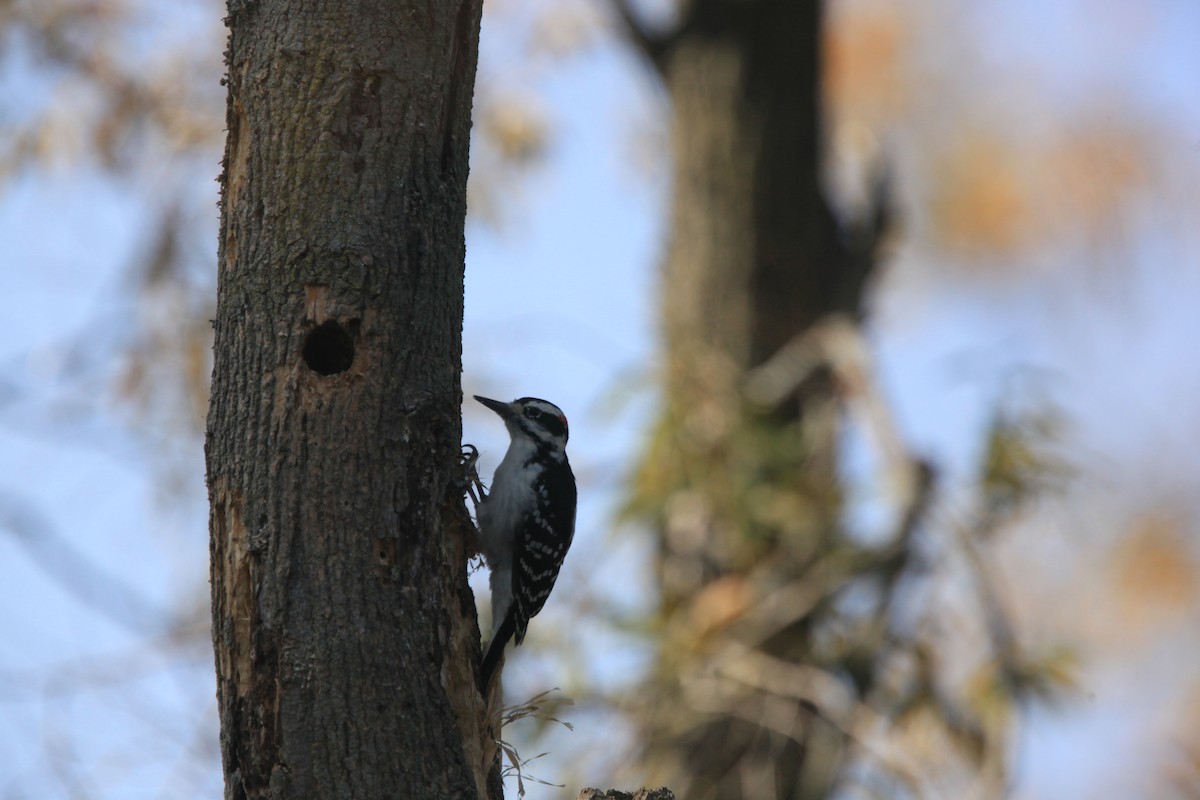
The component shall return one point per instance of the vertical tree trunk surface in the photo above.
(343, 627)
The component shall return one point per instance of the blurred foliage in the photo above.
(750, 480)
(998, 199)
(107, 83)
(523, 43)
(780, 629)
(1155, 572)
(1019, 461)
(121, 99)
(120, 92)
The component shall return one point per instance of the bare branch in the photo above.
(813, 690)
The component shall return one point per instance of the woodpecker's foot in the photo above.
(471, 482)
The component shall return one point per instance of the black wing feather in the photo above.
(545, 535)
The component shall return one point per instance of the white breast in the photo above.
(510, 498)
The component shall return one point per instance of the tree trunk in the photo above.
(755, 260)
(344, 630)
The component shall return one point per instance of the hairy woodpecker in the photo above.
(527, 520)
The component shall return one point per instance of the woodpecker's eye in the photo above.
(532, 413)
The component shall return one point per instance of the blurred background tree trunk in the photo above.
(745, 498)
(344, 629)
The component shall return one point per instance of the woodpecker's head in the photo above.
(538, 422)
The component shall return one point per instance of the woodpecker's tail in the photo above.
(495, 651)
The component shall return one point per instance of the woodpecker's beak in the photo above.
(503, 409)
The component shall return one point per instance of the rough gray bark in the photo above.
(343, 627)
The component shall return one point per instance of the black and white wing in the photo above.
(542, 543)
